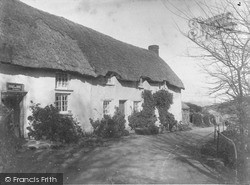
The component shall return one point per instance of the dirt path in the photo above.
(166, 158)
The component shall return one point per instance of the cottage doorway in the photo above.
(122, 106)
(12, 100)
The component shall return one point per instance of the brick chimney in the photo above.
(154, 48)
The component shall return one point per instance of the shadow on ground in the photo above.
(187, 148)
(166, 158)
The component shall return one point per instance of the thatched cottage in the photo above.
(48, 59)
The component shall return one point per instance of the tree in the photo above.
(223, 35)
(194, 107)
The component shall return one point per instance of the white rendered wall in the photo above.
(86, 95)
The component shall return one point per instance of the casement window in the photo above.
(164, 85)
(62, 80)
(106, 107)
(136, 106)
(62, 102)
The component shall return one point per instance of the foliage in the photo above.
(208, 119)
(47, 123)
(226, 150)
(90, 141)
(151, 130)
(163, 100)
(110, 127)
(9, 143)
(170, 120)
(233, 131)
(197, 119)
(137, 120)
(183, 127)
(227, 107)
(140, 120)
(194, 107)
(146, 117)
(148, 105)
(142, 131)
(225, 43)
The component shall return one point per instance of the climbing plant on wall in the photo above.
(145, 118)
(163, 100)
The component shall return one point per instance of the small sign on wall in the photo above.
(15, 87)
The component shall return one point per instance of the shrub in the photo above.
(9, 143)
(226, 148)
(136, 120)
(166, 118)
(47, 123)
(148, 104)
(146, 117)
(151, 130)
(194, 108)
(170, 120)
(163, 100)
(140, 120)
(208, 119)
(197, 119)
(126, 133)
(110, 127)
(183, 127)
(142, 131)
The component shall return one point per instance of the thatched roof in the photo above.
(36, 39)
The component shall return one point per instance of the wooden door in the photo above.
(122, 106)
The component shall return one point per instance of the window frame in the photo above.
(136, 108)
(63, 106)
(164, 85)
(140, 83)
(106, 108)
(62, 81)
(110, 81)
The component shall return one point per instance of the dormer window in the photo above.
(111, 80)
(62, 80)
(140, 85)
(164, 85)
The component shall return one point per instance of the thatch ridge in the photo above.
(34, 38)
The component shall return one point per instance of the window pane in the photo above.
(62, 102)
(106, 107)
(136, 106)
(61, 80)
(59, 105)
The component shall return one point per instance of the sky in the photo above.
(142, 23)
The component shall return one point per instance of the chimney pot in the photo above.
(154, 48)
